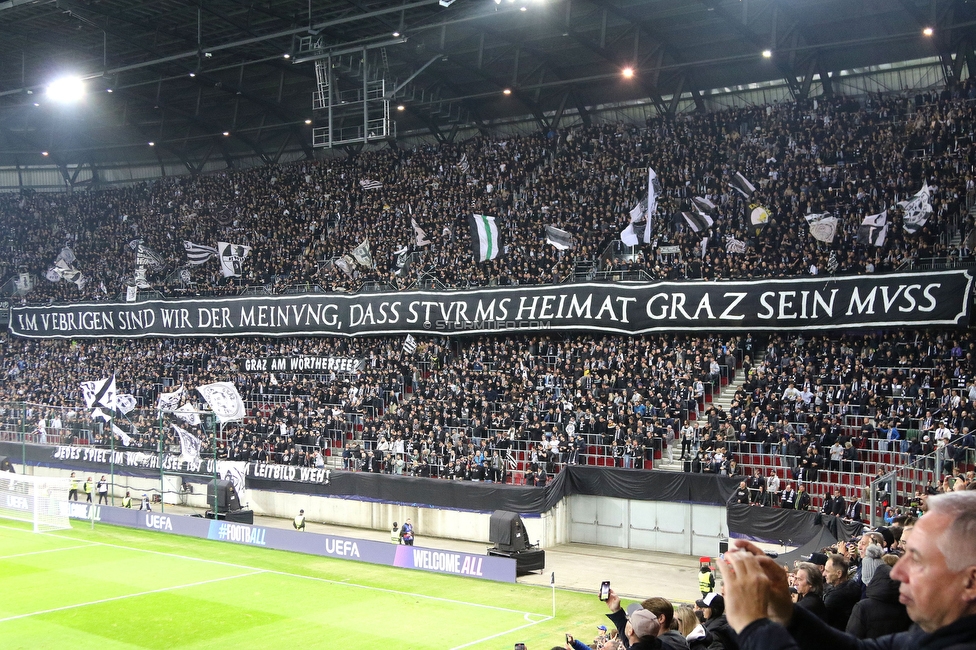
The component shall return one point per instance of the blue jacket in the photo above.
(807, 632)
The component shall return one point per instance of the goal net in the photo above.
(39, 500)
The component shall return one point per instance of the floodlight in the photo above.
(66, 89)
(767, 54)
(627, 73)
(928, 31)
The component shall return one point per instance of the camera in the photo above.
(605, 590)
(519, 646)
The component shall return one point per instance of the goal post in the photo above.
(41, 501)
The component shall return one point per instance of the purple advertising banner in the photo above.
(485, 567)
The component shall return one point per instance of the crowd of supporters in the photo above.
(456, 408)
(844, 156)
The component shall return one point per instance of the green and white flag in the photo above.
(485, 239)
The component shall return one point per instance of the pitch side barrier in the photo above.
(456, 563)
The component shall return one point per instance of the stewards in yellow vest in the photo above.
(88, 486)
(706, 580)
(127, 500)
(73, 490)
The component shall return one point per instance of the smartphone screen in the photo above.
(605, 590)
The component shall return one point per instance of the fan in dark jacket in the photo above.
(842, 593)
(880, 613)
(809, 584)
(713, 609)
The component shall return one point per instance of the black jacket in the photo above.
(840, 600)
(807, 632)
(879, 613)
(723, 636)
(813, 604)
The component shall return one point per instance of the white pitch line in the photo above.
(514, 629)
(123, 597)
(343, 583)
(50, 550)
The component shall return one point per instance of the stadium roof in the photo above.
(209, 81)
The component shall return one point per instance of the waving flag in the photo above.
(224, 399)
(917, 210)
(169, 401)
(823, 227)
(189, 444)
(873, 230)
(197, 254)
(485, 238)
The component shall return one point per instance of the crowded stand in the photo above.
(841, 156)
(812, 411)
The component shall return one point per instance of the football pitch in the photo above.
(112, 587)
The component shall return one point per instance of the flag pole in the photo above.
(552, 583)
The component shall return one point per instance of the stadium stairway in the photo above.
(722, 399)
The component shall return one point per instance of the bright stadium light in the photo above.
(66, 90)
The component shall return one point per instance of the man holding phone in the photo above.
(660, 608)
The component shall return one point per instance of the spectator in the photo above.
(809, 585)
(841, 593)
(880, 613)
(712, 608)
(937, 585)
(694, 632)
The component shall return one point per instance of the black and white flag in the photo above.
(873, 230)
(734, 246)
(148, 258)
(410, 344)
(169, 401)
(419, 233)
(231, 258)
(189, 444)
(126, 403)
(823, 226)
(369, 184)
(740, 184)
(101, 394)
(224, 399)
(697, 221)
(463, 164)
(122, 435)
(559, 238)
(346, 264)
(705, 205)
(188, 414)
(197, 254)
(832, 263)
(918, 209)
(362, 255)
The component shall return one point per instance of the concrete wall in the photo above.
(682, 528)
(688, 529)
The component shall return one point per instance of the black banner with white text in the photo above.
(898, 299)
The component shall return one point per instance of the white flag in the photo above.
(224, 399)
(823, 227)
(734, 246)
(169, 401)
(189, 444)
(126, 440)
(231, 258)
(187, 414)
(629, 236)
(126, 403)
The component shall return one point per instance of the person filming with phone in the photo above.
(660, 609)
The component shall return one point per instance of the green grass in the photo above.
(112, 588)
